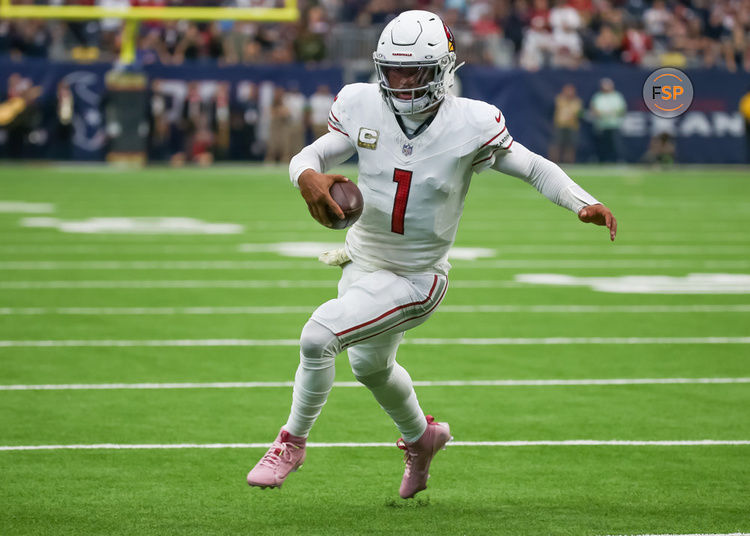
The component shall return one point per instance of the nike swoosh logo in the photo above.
(499, 116)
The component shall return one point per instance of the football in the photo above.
(349, 198)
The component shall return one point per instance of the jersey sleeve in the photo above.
(493, 136)
(338, 117)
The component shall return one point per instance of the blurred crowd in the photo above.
(205, 121)
(196, 122)
(528, 33)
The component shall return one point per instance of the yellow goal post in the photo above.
(132, 15)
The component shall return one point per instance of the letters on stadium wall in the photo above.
(88, 134)
(712, 131)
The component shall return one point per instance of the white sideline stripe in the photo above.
(172, 283)
(582, 340)
(417, 341)
(290, 265)
(565, 443)
(293, 309)
(249, 310)
(208, 283)
(445, 383)
(159, 265)
(621, 250)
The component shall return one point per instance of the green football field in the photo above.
(148, 329)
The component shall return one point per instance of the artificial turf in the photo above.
(672, 223)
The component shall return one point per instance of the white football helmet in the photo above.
(420, 46)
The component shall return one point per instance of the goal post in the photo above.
(132, 15)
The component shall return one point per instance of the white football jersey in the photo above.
(413, 187)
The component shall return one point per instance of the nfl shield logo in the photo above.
(407, 149)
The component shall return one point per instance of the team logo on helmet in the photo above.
(451, 41)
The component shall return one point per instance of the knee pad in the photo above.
(376, 379)
(319, 346)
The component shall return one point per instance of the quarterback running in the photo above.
(418, 147)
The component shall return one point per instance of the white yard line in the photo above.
(175, 283)
(295, 309)
(699, 262)
(580, 340)
(138, 311)
(120, 249)
(417, 341)
(565, 443)
(210, 283)
(160, 265)
(533, 264)
(661, 250)
(446, 383)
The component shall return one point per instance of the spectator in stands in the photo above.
(308, 46)
(29, 39)
(319, 107)
(657, 19)
(535, 49)
(220, 116)
(196, 125)
(745, 111)
(567, 47)
(19, 115)
(637, 43)
(200, 43)
(568, 109)
(190, 46)
(661, 150)
(202, 146)
(5, 30)
(607, 111)
(151, 49)
(689, 33)
(608, 46)
(564, 18)
(245, 116)
(235, 41)
(62, 130)
(276, 149)
(252, 54)
(518, 19)
(296, 104)
(160, 132)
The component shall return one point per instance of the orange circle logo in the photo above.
(668, 92)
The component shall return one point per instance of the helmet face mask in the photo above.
(407, 88)
(415, 62)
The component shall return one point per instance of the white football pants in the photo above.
(369, 318)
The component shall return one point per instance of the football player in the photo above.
(418, 147)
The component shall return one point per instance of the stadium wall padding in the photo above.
(712, 131)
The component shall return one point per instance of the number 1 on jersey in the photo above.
(403, 178)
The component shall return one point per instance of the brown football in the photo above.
(349, 198)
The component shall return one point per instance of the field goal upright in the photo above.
(133, 15)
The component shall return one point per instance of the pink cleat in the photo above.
(287, 454)
(419, 455)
